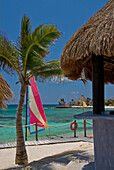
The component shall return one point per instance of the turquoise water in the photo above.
(55, 116)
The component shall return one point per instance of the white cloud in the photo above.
(74, 92)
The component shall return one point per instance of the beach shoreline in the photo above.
(85, 107)
(54, 156)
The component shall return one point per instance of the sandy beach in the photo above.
(65, 156)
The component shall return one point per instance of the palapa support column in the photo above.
(98, 84)
(103, 130)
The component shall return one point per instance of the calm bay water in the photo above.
(55, 116)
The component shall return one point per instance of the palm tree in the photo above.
(5, 92)
(27, 59)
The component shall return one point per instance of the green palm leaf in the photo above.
(9, 58)
(48, 69)
(49, 65)
(50, 73)
(34, 45)
(25, 29)
(47, 34)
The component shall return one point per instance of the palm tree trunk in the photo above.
(21, 155)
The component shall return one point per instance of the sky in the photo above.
(69, 16)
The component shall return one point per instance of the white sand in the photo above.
(57, 156)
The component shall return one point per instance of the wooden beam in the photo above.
(98, 84)
(109, 61)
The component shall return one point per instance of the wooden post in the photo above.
(49, 133)
(98, 84)
(75, 128)
(36, 132)
(84, 128)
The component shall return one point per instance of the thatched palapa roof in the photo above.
(96, 36)
(5, 93)
(81, 100)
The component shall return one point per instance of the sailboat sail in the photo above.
(84, 104)
(35, 111)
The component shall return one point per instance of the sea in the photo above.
(60, 118)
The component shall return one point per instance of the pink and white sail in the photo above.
(36, 110)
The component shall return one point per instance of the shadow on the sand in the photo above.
(89, 166)
(65, 161)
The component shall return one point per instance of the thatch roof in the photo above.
(62, 102)
(5, 92)
(96, 36)
(80, 100)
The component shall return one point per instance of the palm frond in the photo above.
(25, 29)
(34, 34)
(53, 75)
(47, 34)
(34, 62)
(35, 45)
(49, 65)
(9, 56)
(32, 55)
(47, 73)
(5, 93)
